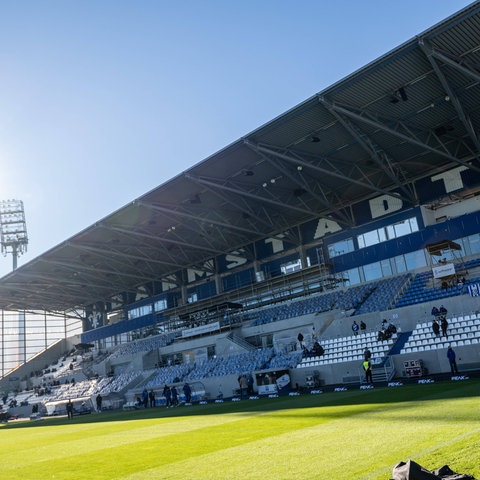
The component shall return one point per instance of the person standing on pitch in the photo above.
(452, 360)
(367, 366)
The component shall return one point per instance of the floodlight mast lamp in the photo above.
(13, 229)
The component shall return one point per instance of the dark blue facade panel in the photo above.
(273, 268)
(437, 186)
(238, 279)
(378, 207)
(270, 246)
(203, 290)
(120, 327)
(234, 260)
(456, 228)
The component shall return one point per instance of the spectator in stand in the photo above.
(391, 328)
(443, 310)
(367, 354)
(363, 325)
(444, 326)
(435, 311)
(436, 328)
(145, 398)
(387, 334)
(355, 327)
(381, 336)
(318, 349)
(300, 341)
(452, 360)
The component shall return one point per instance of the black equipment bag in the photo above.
(413, 471)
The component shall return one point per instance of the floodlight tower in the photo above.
(13, 229)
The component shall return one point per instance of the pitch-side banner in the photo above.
(210, 327)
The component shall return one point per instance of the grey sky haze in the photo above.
(104, 100)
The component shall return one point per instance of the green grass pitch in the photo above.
(355, 435)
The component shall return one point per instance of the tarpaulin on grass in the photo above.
(413, 471)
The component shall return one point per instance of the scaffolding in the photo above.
(329, 278)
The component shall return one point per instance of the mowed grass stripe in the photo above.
(328, 433)
(348, 444)
(49, 443)
(45, 443)
(135, 452)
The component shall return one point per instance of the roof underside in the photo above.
(412, 112)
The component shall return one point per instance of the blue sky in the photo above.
(104, 100)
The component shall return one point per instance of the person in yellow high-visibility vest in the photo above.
(367, 366)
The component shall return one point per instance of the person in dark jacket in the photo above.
(70, 409)
(436, 328)
(452, 359)
(444, 326)
(188, 393)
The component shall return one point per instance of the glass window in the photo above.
(160, 305)
(399, 263)
(291, 267)
(352, 276)
(472, 244)
(402, 228)
(370, 238)
(386, 267)
(372, 271)
(340, 248)
(139, 311)
(413, 224)
(415, 260)
(192, 298)
(395, 230)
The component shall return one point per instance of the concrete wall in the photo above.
(20, 378)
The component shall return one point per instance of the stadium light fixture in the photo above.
(13, 229)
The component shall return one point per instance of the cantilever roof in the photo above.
(414, 111)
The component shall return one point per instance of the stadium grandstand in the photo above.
(361, 204)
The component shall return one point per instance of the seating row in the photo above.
(440, 345)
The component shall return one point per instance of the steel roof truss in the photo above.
(80, 268)
(427, 50)
(148, 236)
(246, 209)
(189, 216)
(377, 154)
(121, 255)
(460, 64)
(408, 138)
(300, 180)
(331, 173)
(274, 200)
(80, 279)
